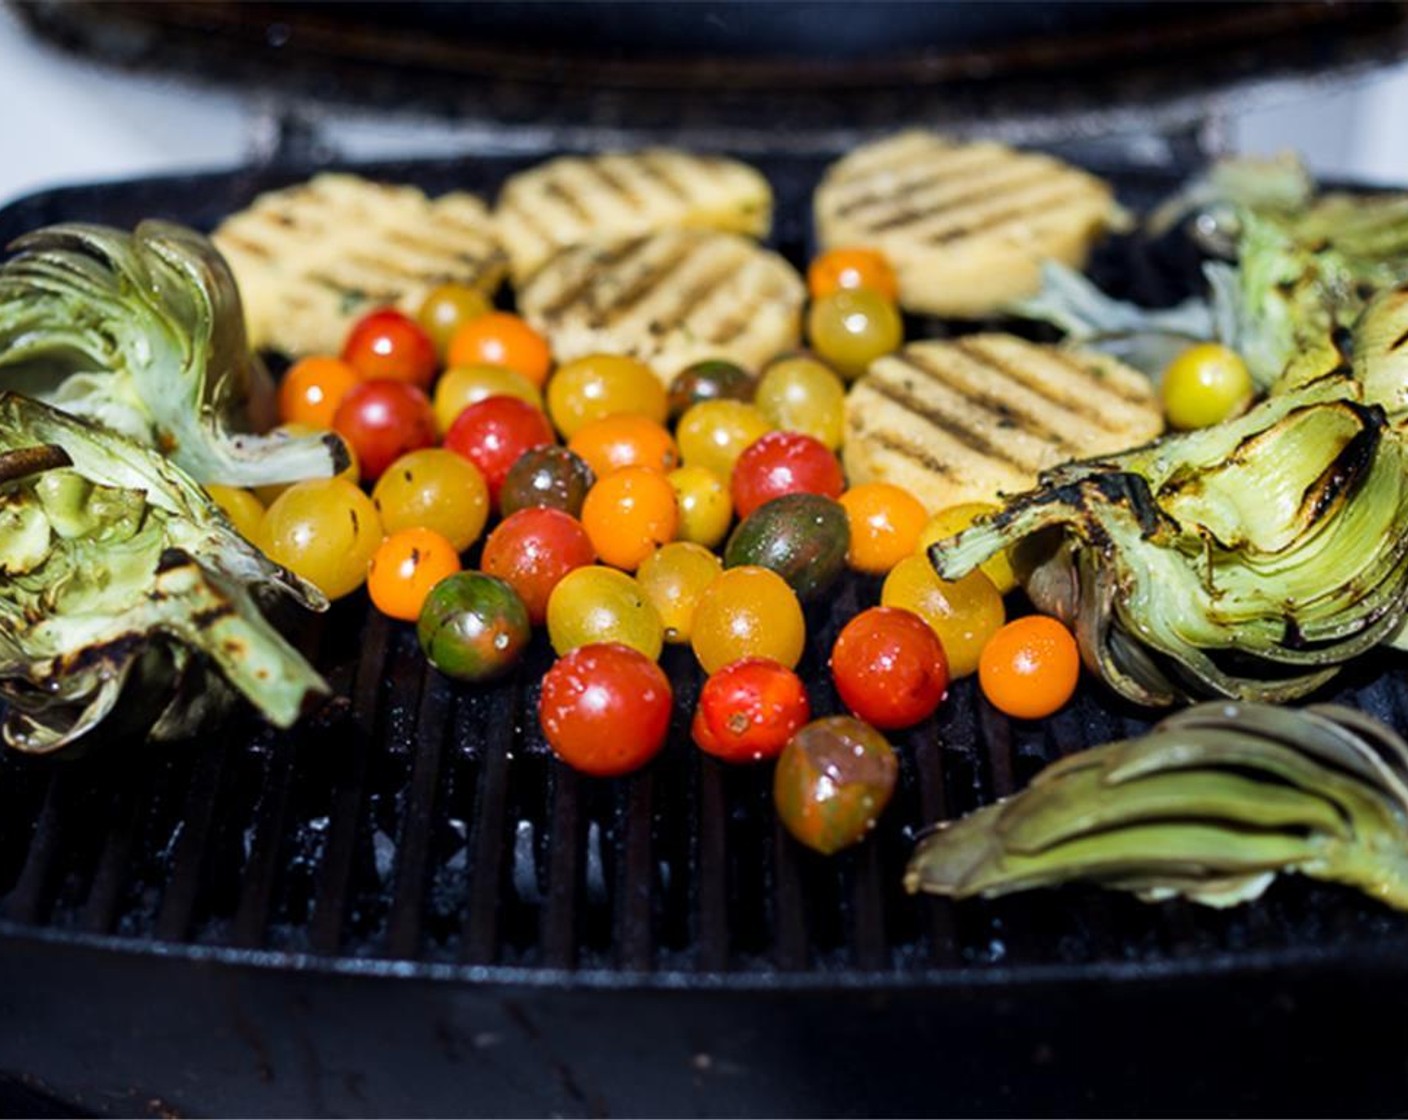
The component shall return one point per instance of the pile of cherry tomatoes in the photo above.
(624, 515)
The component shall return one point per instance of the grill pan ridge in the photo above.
(418, 830)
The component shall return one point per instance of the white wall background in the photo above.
(62, 121)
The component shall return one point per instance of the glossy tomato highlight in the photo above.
(605, 709)
(889, 667)
(533, 550)
(385, 345)
(383, 420)
(781, 463)
(748, 710)
(494, 433)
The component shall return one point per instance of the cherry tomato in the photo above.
(550, 477)
(673, 578)
(1030, 667)
(494, 433)
(748, 612)
(784, 463)
(845, 269)
(448, 307)
(748, 710)
(459, 388)
(385, 345)
(433, 489)
(614, 442)
(628, 514)
(597, 604)
(801, 395)
(312, 389)
(605, 709)
(403, 569)
(850, 328)
(381, 421)
(713, 434)
(352, 472)
(706, 510)
(964, 613)
(473, 627)
(712, 380)
(1206, 385)
(501, 339)
(602, 385)
(532, 550)
(952, 521)
(324, 530)
(244, 509)
(889, 667)
(833, 780)
(885, 523)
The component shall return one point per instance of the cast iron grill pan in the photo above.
(420, 828)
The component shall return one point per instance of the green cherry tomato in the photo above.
(1205, 385)
(850, 328)
(834, 778)
(711, 380)
(799, 394)
(551, 477)
(596, 604)
(473, 627)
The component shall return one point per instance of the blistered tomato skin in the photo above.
(706, 510)
(605, 709)
(833, 780)
(494, 433)
(473, 627)
(782, 463)
(386, 345)
(548, 477)
(748, 710)
(674, 579)
(404, 568)
(889, 668)
(532, 550)
(383, 420)
(1030, 668)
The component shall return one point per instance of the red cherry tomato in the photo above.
(784, 463)
(494, 433)
(386, 345)
(382, 420)
(748, 710)
(605, 709)
(889, 667)
(532, 550)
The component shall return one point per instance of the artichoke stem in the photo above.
(27, 461)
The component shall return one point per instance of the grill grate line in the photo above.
(565, 847)
(789, 903)
(481, 923)
(329, 910)
(868, 908)
(711, 867)
(105, 892)
(183, 883)
(634, 934)
(251, 921)
(412, 850)
(34, 891)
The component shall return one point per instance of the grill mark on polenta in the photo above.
(1114, 385)
(952, 425)
(692, 299)
(1029, 379)
(624, 299)
(934, 172)
(986, 191)
(1010, 412)
(554, 189)
(595, 264)
(332, 283)
(898, 445)
(655, 167)
(614, 182)
(1044, 206)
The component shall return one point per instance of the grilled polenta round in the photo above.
(965, 225)
(974, 418)
(670, 299)
(572, 200)
(313, 258)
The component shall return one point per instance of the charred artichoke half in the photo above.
(116, 569)
(1209, 806)
(1251, 559)
(143, 333)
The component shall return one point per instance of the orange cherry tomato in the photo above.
(748, 612)
(405, 566)
(838, 269)
(628, 514)
(501, 339)
(1030, 667)
(313, 388)
(885, 523)
(614, 442)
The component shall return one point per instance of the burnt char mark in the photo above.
(940, 170)
(204, 620)
(597, 264)
(1118, 488)
(654, 167)
(1010, 215)
(560, 194)
(1100, 377)
(1350, 468)
(974, 441)
(1398, 343)
(26, 461)
(622, 302)
(171, 559)
(898, 446)
(1343, 339)
(614, 183)
(916, 214)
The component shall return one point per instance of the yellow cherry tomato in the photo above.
(885, 523)
(964, 613)
(748, 612)
(596, 604)
(674, 579)
(463, 386)
(1206, 385)
(602, 385)
(404, 568)
(353, 473)
(433, 489)
(448, 307)
(952, 521)
(713, 434)
(851, 327)
(802, 395)
(324, 530)
(245, 511)
(706, 507)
